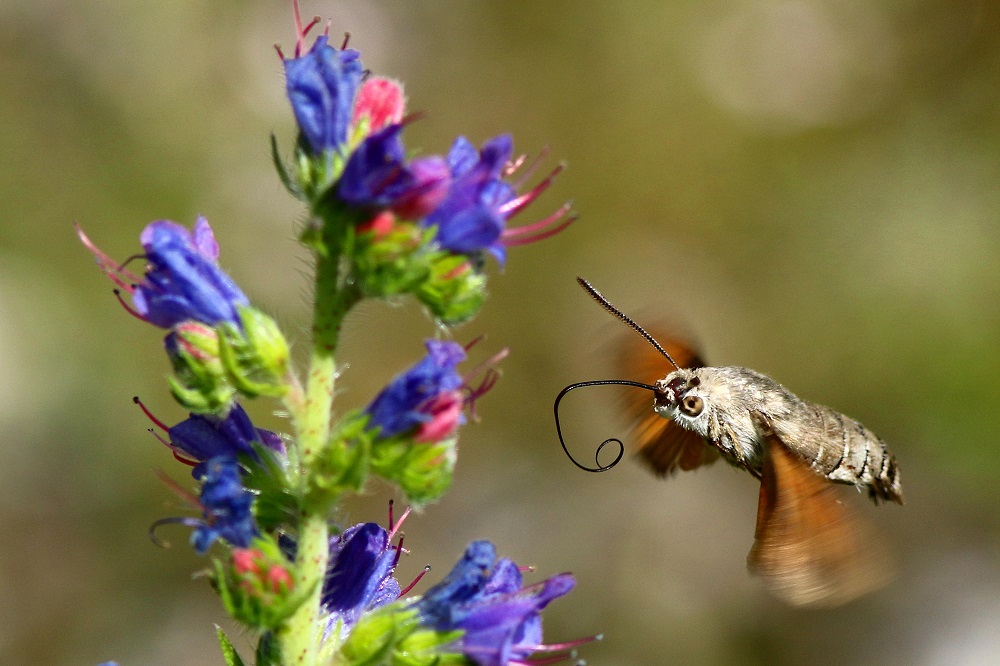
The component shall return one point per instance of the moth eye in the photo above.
(692, 405)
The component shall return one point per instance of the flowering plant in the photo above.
(381, 223)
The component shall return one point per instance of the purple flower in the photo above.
(183, 281)
(321, 86)
(205, 437)
(404, 404)
(484, 597)
(226, 507)
(359, 575)
(377, 176)
(473, 216)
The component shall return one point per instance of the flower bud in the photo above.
(379, 102)
(256, 585)
(200, 383)
(256, 357)
(455, 291)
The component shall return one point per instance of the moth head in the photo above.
(680, 396)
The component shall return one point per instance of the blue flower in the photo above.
(472, 217)
(359, 575)
(402, 405)
(183, 281)
(484, 597)
(205, 437)
(226, 507)
(378, 176)
(321, 86)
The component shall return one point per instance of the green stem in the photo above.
(301, 634)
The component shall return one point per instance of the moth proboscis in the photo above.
(809, 549)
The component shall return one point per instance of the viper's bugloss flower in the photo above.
(226, 507)
(206, 436)
(485, 598)
(182, 282)
(402, 405)
(473, 216)
(359, 574)
(378, 176)
(321, 86)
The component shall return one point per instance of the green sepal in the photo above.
(455, 290)
(343, 464)
(426, 647)
(256, 358)
(257, 598)
(392, 636)
(200, 382)
(393, 261)
(423, 471)
(268, 650)
(316, 174)
(266, 473)
(279, 165)
(228, 651)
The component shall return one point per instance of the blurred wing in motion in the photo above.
(808, 549)
(663, 444)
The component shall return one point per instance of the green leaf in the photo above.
(228, 651)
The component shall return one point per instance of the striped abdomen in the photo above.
(841, 449)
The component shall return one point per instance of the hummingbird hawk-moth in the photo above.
(809, 550)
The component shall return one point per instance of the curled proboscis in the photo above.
(610, 440)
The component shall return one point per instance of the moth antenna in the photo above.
(610, 440)
(599, 297)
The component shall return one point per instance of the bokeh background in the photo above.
(810, 186)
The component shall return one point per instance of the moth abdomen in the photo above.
(843, 450)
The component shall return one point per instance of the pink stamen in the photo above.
(391, 504)
(540, 224)
(514, 206)
(177, 489)
(281, 54)
(347, 38)
(177, 456)
(527, 569)
(511, 167)
(531, 168)
(474, 342)
(399, 551)
(416, 580)
(186, 461)
(128, 308)
(568, 645)
(394, 527)
(512, 242)
(488, 363)
(149, 414)
(117, 272)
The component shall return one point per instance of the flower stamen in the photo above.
(413, 583)
(514, 206)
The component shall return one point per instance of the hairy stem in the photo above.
(300, 636)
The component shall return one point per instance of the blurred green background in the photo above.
(811, 186)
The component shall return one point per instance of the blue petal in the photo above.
(321, 86)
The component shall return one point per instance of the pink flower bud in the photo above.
(245, 560)
(445, 411)
(381, 102)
